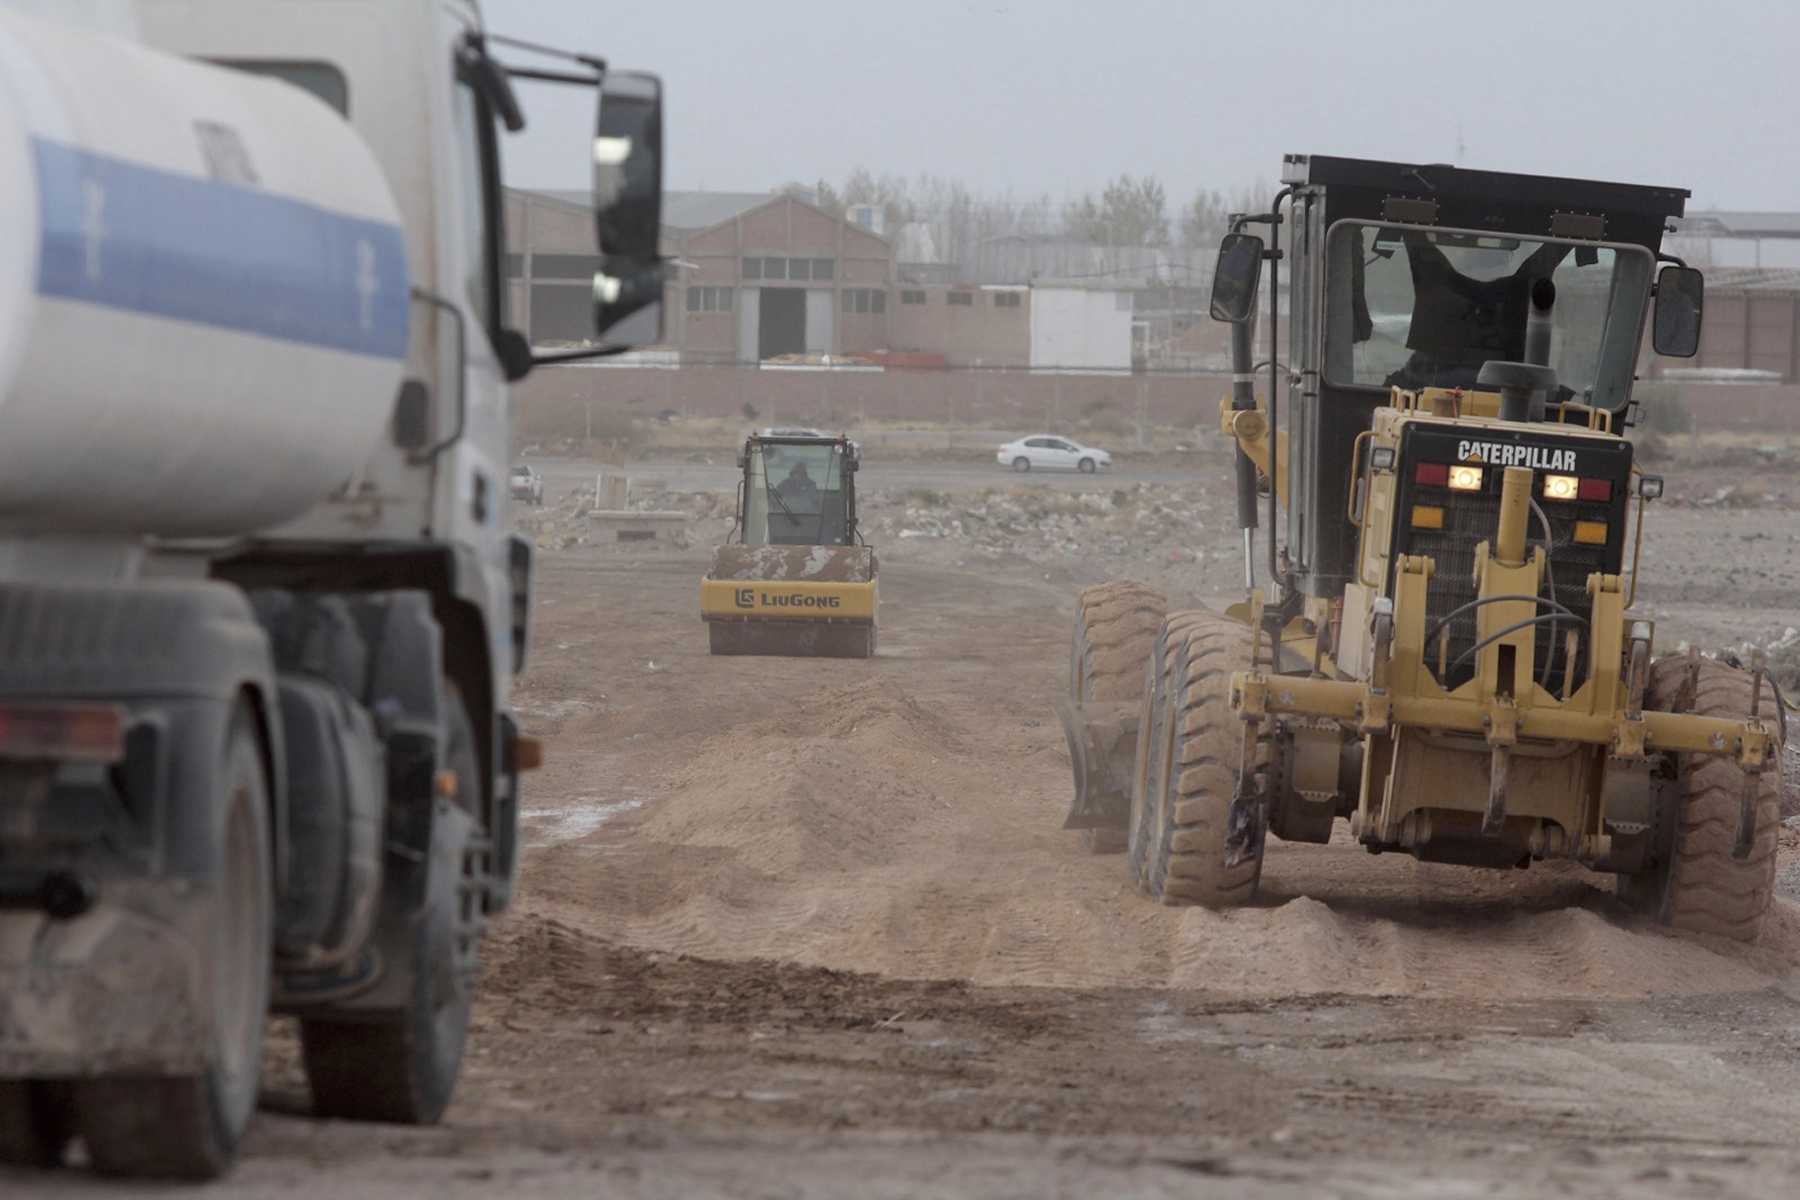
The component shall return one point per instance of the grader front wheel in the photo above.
(1195, 743)
(1696, 884)
(1115, 627)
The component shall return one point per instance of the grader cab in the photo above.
(1442, 650)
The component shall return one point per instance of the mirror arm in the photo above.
(1669, 258)
(489, 78)
(597, 65)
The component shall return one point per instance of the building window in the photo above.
(824, 268)
(709, 299)
(799, 268)
(1006, 300)
(515, 266)
(865, 300)
(911, 297)
(966, 299)
(774, 268)
(753, 268)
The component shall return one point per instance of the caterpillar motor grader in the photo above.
(1444, 652)
(794, 578)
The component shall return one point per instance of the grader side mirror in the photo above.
(1680, 300)
(1235, 277)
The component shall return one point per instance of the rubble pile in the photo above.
(1042, 525)
(564, 524)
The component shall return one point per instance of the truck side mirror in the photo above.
(1235, 277)
(1680, 300)
(628, 170)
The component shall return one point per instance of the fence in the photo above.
(563, 401)
(558, 400)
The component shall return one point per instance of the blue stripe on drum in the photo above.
(131, 237)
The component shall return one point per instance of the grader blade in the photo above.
(1102, 739)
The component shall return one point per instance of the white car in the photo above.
(527, 484)
(1044, 451)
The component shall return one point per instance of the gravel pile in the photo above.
(1124, 526)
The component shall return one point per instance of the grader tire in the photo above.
(1195, 766)
(1697, 885)
(1115, 627)
(1150, 771)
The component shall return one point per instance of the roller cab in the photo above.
(795, 577)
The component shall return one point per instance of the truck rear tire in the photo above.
(1195, 751)
(1695, 884)
(401, 1067)
(189, 1126)
(1116, 624)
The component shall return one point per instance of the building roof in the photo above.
(703, 210)
(1725, 223)
(681, 210)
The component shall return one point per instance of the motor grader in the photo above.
(794, 576)
(1442, 650)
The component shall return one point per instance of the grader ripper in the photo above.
(1444, 652)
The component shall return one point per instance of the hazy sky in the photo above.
(1057, 96)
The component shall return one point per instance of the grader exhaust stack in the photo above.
(1442, 654)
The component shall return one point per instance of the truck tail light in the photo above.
(62, 732)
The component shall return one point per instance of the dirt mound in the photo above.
(902, 817)
(824, 784)
(857, 829)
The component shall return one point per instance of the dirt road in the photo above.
(809, 928)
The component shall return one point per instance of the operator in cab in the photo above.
(1460, 322)
(798, 489)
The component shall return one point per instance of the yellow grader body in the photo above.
(1445, 655)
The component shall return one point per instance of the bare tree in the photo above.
(1129, 212)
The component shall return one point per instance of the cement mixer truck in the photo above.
(260, 607)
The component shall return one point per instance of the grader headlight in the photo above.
(1465, 479)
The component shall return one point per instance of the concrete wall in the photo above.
(1018, 399)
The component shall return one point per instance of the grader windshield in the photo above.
(795, 494)
(1412, 308)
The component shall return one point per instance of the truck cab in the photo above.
(264, 749)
